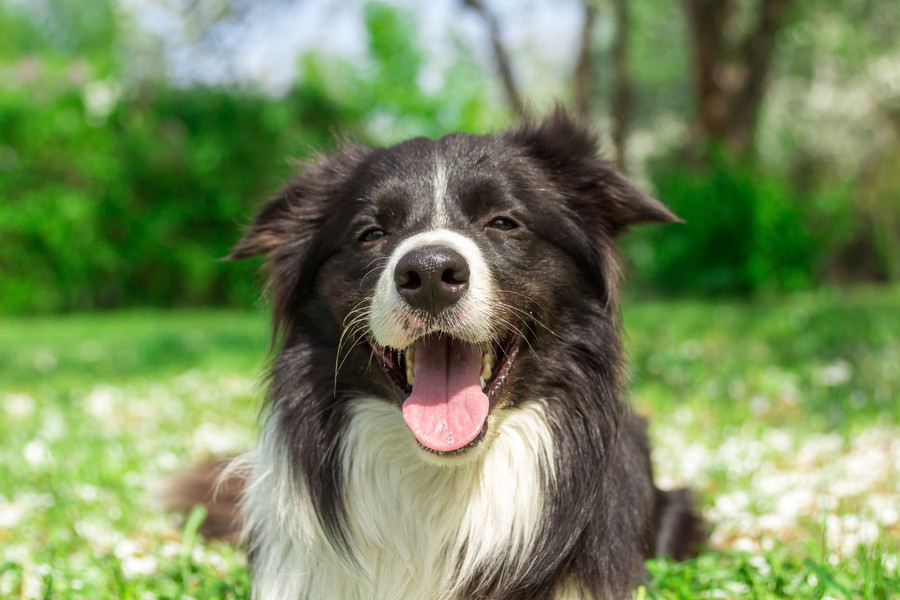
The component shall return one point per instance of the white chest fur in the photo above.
(418, 527)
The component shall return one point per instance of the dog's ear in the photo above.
(269, 229)
(292, 229)
(598, 192)
(288, 222)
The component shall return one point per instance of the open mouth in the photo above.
(447, 386)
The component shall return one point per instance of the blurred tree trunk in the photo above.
(583, 75)
(731, 71)
(583, 83)
(501, 56)
(583, 79)
(621, 92)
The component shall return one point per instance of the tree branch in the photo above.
(500, 56)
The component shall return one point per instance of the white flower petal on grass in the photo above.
(133, 559)
(132, 566)
(772, 483)
(36, 453)
(33, 586)
(11, 513)
(167, 461)
(239, 384)
(99, 534)
(170, 549)
(14, 553)
(890, 563)
(761, 564)
(778, 440)
(778, 486)
(18, 406)
(886, 508)
(211, 439)
(86, 492)
(819, 449)
(746, 545)
(125, 548)
(6, 584)
(834, 374)
(53, 425)
(188, 382)
(101, 402)
(844, 534)
(798, 502)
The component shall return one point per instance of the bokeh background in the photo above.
(138, 136)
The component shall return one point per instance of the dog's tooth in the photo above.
(486, 371)
(483, 382)
(410, 365)
(488, 357)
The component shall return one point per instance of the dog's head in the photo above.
(459, 266)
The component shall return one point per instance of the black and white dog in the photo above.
(445, 414)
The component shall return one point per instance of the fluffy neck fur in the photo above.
(417, 529)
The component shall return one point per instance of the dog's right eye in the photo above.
(503, 224)
(371, 235)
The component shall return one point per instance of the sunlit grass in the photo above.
(781, 414)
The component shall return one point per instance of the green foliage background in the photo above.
(134, 207)
(121, 188)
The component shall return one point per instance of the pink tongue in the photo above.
(447, 408)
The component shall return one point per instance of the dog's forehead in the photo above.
(434, 182)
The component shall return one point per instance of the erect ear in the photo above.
(598, 193)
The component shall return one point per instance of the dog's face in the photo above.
(455, 265)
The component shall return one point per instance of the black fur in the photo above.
(603, 514)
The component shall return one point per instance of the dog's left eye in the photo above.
(370, 235)
(503, 224)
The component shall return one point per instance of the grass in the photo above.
(782, 414)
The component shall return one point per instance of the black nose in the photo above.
(432, 278)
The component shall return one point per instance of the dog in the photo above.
(445, 415)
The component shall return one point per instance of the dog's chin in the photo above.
(448, 390)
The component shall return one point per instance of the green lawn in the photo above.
(782, 414)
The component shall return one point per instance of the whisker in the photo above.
(357, 317)
(524, 314)
(361, 307)
(375, 268)
(521, 335)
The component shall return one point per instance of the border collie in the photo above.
(445, 414)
